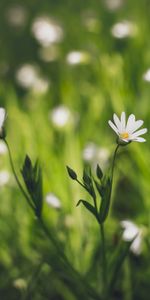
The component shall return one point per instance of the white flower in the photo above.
(132, 232)
(53, 200)
(127, 131)
(2, 121)
(60, 116)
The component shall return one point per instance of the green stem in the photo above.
(113, 162)
(16, 177)
(102, 232)
(104, 260)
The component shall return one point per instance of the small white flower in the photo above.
(127, 131)
(2, 121)
(132, 232)
(53, 200)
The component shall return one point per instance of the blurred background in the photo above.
(65, 67)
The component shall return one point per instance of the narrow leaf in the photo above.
(105, 203)
(86, 178)
(89, 207)
(99, 172)
(72, 173)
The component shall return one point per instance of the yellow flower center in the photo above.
(124, 135)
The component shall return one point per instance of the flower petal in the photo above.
(117, 122)
(136, 125)
(123, 121)
(111, 124)
(130, 123)
(2, 116)
(140, 140)
(139, 132)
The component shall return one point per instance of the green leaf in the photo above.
(88, 183)
(117, 261)
(99, 172)
(86, 178)
(89, 207)
(105, 203)
(100, 188)
(32, 176)
(72, 173)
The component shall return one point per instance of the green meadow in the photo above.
(65, 68)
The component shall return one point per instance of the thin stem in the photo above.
(113, 162)
(81, 183)
(102, 232)
(16, 177)
(104, 261)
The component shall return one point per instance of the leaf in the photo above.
(72, 173)
(117, 262)
(99, 172)
(99, 188)
(88, 183)
(105, 203)
(89, 207)
(86, 178)
(32, 176)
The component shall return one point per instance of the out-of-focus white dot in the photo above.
(132, 231)
(26, 75)
(3, 148)
(47, 31)
(114, 5)
(53, 200)
(20, 284)
(4, 177)
(90, 152)
(40, 86)
(146, 75)
(94, 154)
(61, 116)
(123, 29)
(77, 57)
(16, 15)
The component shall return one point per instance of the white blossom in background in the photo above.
(77, 57)
(114, 5)
(47, 31)
(4, 177)
(128, 131)
(53, 200)
(90, 152)
(94, 154)
(2, 121)
(16, 15)
(41, 85)
(146, 75)
(132, 231)
(28, 77)
(20, 284)
(3, 148)
(61, 116)
(123, 29)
